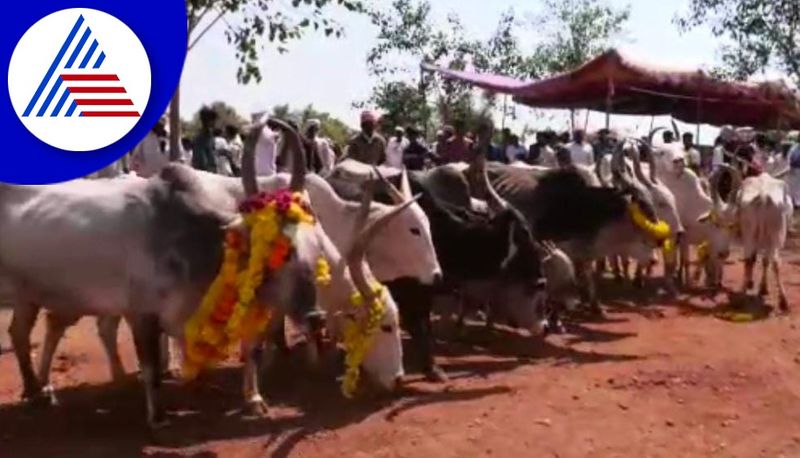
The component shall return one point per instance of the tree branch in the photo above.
(205, 30)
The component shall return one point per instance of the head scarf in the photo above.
(369, 116)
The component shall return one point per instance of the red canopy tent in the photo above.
(613, 83)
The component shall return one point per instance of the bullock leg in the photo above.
(749, 266)
(638, 280)
(107, 328)
(20, 331)
(255, 405)
(763, 290)
(56, 327)
(147, 339)
(783, 304)
(590, 287)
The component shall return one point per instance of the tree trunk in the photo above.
(175, 147)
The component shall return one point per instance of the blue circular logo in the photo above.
(86, 82)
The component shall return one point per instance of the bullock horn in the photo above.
(394, 193)
(637, 167)
(405, 185)
(782, 174)
(495, 202)
(355, 259)
(653, 134)
(676, 130)
(295, 146)
(249, 181)
(618, 171)
(547, 247)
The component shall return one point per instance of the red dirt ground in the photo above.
(653, 379)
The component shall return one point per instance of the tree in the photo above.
(761, 34)
(409, 35)
(226, 115)
(248, 22)
(575, 31)
(333, 128)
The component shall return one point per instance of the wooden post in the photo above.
(609, 102)
(505, 109)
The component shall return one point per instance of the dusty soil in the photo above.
(655, 378)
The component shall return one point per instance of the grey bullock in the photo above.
(148, 250)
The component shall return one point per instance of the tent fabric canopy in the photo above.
(611, 82)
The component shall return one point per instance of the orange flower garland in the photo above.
(229, 312)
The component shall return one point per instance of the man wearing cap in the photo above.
(394, 149)
(367, 146)
(456, 146)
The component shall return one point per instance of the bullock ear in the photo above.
(704, 218)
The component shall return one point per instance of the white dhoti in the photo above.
(793, 180)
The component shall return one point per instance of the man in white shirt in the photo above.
(395, 147)
(265, 152)
(581, 151)
(147, 158)
(692, 154)
(726, 135)
(221, 151)
(320, 146)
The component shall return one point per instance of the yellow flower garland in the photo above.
(228, 312)
(658, 230)
(358, 336)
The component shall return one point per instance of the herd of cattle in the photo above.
(523, 244)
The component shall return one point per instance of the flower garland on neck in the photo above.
(229, 312)
(358, 335)
(658, 230)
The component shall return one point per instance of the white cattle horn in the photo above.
(295, 146)
(405, 185)
(355, 259)
(249, 181)
(637, 167)
(396, 195)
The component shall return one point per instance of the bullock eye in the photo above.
(416, 231)
(387, 328)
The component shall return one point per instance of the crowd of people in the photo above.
(218, 149)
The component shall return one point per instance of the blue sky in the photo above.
(332, 74)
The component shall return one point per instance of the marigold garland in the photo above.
(358, 336)
(658, 230)
(228, 312)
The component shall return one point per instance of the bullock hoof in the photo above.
(256, 408)
(763, 291)
(40, 398)
(749, 285)
(783, 304)
(436, 375)
(157, 421)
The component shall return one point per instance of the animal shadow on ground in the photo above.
(517, 349)
(108, 419)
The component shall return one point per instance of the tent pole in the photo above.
(609, 102)
(652, 122)
(505, 103)
(586, 121)
(699, 113)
